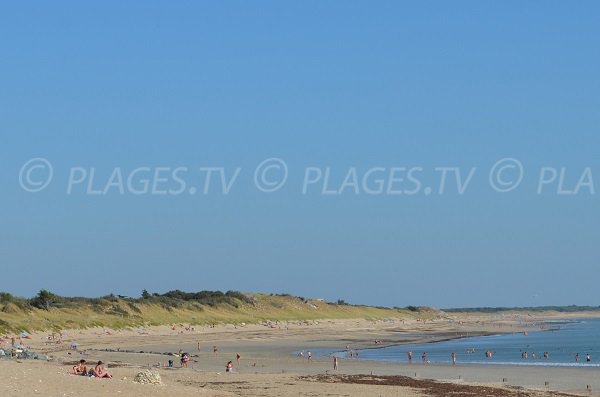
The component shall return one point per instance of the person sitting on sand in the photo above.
(185, 359)
(100, 371)
(229, 367)
(80, 369)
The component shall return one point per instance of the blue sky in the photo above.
(316, 84)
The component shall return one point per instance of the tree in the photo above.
(145, 294)
(43, 300)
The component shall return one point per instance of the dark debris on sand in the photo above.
(430, 387)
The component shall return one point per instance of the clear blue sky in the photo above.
(317, 84)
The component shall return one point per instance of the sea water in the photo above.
(562, 342)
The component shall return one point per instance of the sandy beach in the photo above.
(269, 367)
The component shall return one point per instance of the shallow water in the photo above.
(562, 343)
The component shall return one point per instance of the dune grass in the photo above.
(17, 314)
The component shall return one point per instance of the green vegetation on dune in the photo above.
(48, 311)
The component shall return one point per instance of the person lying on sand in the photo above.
(100, 371)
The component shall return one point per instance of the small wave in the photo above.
(530, 364)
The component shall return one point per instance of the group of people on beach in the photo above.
(98, 372)
(309, 355)
(353, 353)
(424, 360)
(185, 358)
(490, 354)
(588, 358)
(525, 355)
(229, 365)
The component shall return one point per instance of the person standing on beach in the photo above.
(309, 356)
(215, 350)
(453, 358)
(424, 357)
(237, 358)
(588, 358)
(335, 363)
(410, 356)
(576, 357)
